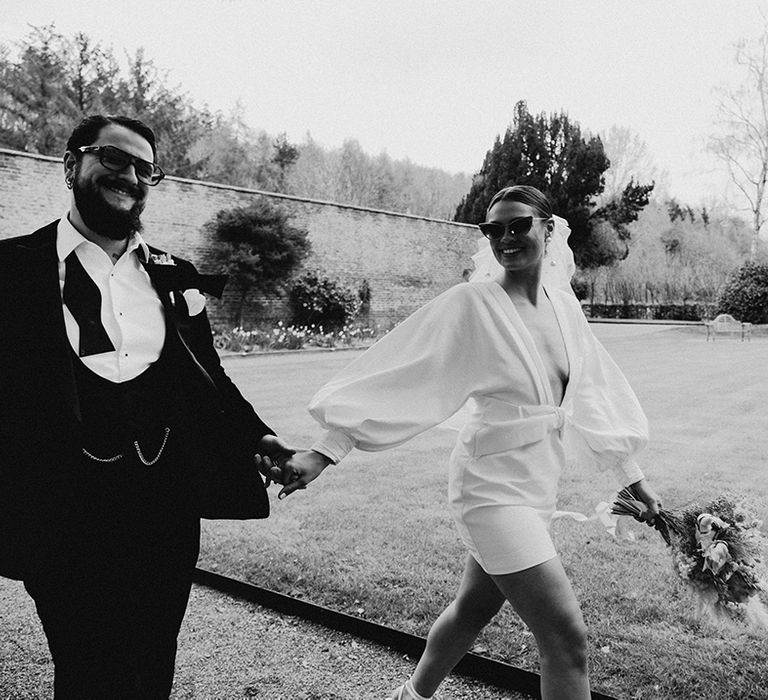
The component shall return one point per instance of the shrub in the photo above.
(745, 295)
(580, 286)
(657, 312)
(320, 301)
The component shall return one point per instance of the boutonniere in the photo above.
(171, 278)
(161, 259)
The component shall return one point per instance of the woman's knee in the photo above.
(566, 641)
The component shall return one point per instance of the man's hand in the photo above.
(271, 453)
(299, 470)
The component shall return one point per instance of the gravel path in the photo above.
(229, 650)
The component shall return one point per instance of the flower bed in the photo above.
(282, 337)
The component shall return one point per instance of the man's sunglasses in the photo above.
(518, 227)
(113, 158)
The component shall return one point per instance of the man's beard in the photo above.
(100, 216)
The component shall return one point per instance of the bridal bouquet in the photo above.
(717, 549)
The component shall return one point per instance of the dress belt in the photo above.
(497, 433)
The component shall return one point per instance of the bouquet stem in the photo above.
(666, 522)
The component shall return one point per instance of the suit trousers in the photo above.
(112, 631)
(112, 598)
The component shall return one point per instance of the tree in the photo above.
(546, 152)
(230, 152)
(673, 259)
(36, 106)
(50, 82)
(551, 154)
(285, 155)
(55, 82)
(630, 161)
(350, 175)
(144, 94)
(625, 207)
(312, 172)
(355, 178)
(258, 249)
(93, 77)
(742, 143)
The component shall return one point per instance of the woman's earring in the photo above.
(547, 239)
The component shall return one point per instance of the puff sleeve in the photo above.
(415, 377)
(611, 427)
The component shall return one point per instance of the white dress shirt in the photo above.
(131, 311)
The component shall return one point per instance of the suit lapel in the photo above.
(178, 323)
(38, 284)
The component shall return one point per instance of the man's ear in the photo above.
(69, 165)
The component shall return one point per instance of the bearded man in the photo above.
(119, 429)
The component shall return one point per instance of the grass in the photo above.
(372, 537)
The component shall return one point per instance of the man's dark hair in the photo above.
(87, 131)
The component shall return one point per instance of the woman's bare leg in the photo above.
(454, 632)
(544, 599)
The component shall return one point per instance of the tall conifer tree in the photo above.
(551, 154)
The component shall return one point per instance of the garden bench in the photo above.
(725, 324)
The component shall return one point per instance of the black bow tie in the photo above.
(173, 278)
(83, 299)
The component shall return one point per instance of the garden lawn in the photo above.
(372, 537)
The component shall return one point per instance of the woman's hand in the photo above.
(299, 470)
(648, 496)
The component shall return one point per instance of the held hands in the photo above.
(285, 465)
(271, 451)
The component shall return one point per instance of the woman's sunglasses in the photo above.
(518, 227)
(116, 159)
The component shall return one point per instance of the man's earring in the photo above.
(68, 181)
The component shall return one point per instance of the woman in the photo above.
(544, 392)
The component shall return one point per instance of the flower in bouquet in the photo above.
(717, 549)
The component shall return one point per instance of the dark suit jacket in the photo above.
(40, 419)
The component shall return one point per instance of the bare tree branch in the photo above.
(742, 141)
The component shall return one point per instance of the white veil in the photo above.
(558, 268)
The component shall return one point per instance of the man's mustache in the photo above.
(130, 188)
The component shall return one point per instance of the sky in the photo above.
(435, 81)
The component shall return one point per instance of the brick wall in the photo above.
(406, 260)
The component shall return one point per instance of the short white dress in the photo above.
(470, 346)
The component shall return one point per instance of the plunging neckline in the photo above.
(532, 348)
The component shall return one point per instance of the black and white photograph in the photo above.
(383, 351)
